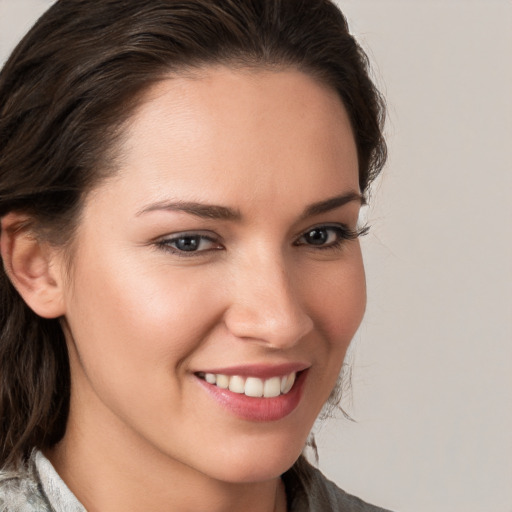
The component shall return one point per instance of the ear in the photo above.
(32, 266)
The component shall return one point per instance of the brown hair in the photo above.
(65, 93)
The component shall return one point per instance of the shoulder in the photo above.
(326, 491)
(21, 492)
(311, 491)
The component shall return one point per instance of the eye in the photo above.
(326, 237)
(320, 236)
(188, 243)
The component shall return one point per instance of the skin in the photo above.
(141, 319)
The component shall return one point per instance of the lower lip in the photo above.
(258, 409)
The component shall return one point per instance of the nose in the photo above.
(267, 305)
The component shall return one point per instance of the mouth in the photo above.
(256, 393)
(254, 387)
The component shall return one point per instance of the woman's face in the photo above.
(219, 255)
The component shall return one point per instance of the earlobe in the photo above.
(31, 266)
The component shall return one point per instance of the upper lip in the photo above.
(262, 371)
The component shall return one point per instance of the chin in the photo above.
(254, 463)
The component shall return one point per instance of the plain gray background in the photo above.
(432, 363)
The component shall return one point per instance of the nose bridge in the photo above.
(267, 305)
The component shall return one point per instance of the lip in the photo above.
(257, 409)
(262, 371)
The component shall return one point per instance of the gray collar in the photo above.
(56, 491)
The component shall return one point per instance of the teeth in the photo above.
(236, 384)
(272, 387)
(287, 383)
(222, 381)
(210, 378)
(252, 386)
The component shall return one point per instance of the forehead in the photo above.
(252, 132)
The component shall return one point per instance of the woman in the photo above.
(180, 185)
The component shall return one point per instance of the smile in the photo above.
(256, 392)
(251, 386)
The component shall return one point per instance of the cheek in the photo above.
(128, 321)
(338, 301)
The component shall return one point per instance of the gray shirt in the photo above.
(38, 488)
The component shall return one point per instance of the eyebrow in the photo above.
(217, 212)
(332, 204)
(205, 211)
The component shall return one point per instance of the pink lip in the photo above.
(262, 371)
(257, 409)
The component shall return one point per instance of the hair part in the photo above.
(66, 93)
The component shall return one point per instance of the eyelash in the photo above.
(165, 244)
(342, 232)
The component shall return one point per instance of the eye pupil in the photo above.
(317, 236)
(187, 243)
